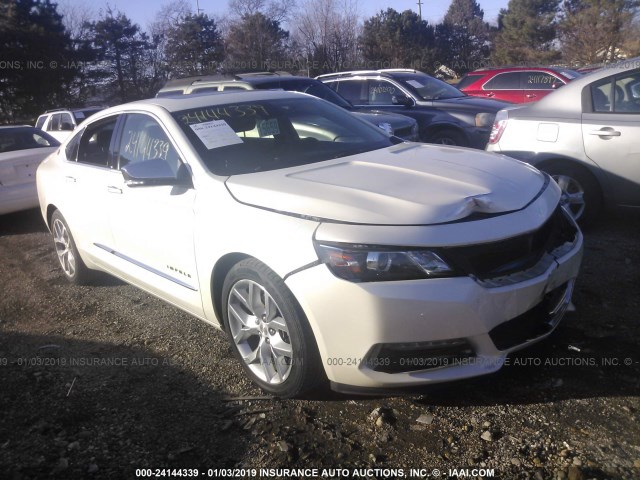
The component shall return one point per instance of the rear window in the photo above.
(22, 139)
(504, 81)
(468, 80)
(40, 122)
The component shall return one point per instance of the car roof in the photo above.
(79, 109)
(252, 78)
(10, 127)
(385, 72)
(177, 103)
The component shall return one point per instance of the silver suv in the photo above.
(60, 122)
(584, 135)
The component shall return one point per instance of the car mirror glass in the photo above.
(153, 173)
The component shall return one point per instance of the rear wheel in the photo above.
(268, 331)
(72, 265)
(580, 191)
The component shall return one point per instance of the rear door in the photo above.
(505, 86)
(85, 175)
(610, 130)
(538, 84)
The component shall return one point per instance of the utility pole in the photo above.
(198, 10)
(420, 8)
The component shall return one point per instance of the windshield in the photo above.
(426, 87)
(310, 86)
(265, 135)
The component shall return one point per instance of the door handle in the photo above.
(112, 189)
(70, 179)
(531, 95)
(491, 94)
(605, 133)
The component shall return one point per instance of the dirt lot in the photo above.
(99, 381)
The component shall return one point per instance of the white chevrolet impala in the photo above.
(325, 249)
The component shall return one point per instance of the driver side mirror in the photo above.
(156, 172)
(66, 126)
(401, 99)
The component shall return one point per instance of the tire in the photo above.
(581, 194)
(72, 265)
(268, 331)
(448, 137)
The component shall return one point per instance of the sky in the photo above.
(143, 11)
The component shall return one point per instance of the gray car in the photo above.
(585, 135)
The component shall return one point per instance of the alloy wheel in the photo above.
(62, 242)
(572, 195)
(259, 332)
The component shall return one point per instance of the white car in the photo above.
(22, 148)
(60, 122)
(585, 135)
(324, 248)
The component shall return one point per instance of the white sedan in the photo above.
(22, 148)
(325, 249)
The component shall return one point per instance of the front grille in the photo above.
(534, 323)
(417, 356)
(496, 259)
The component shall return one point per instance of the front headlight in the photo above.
(484, 119)
(363, 263)
(386, 127)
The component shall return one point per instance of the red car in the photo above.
(515, 84)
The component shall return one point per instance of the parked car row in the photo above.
(330, 250)
(398, 125)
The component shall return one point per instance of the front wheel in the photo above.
(268, 331)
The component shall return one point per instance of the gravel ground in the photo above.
(99, 381)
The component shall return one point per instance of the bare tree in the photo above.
(76, 18)
(327, 33)
(278, 10)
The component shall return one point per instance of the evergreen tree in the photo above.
(37, 59)
(398, 40)
(526, 33)
(194, 46)
(256, 43)
(462, 38)
(122, 49)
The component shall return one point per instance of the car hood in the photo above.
(376, 117)
(407, 184)
(468, 101)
